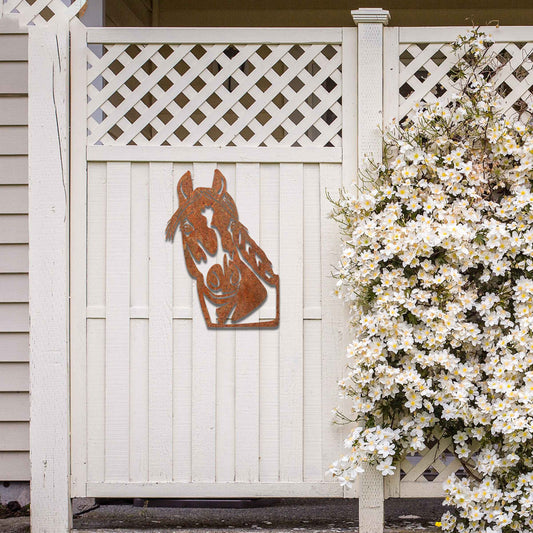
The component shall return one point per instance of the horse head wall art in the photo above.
(232, 272)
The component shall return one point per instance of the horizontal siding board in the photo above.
(14, 436)
(14, 317)
(13, 229)
(13, 47)
(14, 466)
(13, 169)
(14, 407)
(13, 258)
(14, 377)
(13, 110)
(14, 199)
(14, 288)
(13, 140)
(13, 77)
(14, 347)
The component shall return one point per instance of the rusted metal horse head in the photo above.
(230, 269)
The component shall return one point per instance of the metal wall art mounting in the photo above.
(232, 273)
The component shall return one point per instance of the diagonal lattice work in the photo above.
(41, 12)
(255, 95)
(426, 74)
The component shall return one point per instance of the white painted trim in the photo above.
(206, 154)
(349, 106)
(215, 490)
(373, 15)
(49, 282)
(446, 34)
(215, 35)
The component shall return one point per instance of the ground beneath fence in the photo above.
(285, 515)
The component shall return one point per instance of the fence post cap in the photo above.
(374, 15)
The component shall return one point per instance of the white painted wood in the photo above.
(160, 324)
(14, 377)
(14, 436)
(13, 140)
(216, 154)
(14, 78)
(13, 229)
(117, 322)
(13, 199)
(14, 347)
(14, 406)
(214, 490)
(13, 258)
(49, 348)
(15, 466)
(14, 287)
(215, 35)
(291, 322)
(391, 64)
(13, 170)
(446, 34)
(349, 106)
(14, 111)
(14, 317)
(247, 180)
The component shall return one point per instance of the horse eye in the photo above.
(187, 228)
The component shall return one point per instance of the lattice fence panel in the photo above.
(215, 95)
(40, 12)
(426, 74)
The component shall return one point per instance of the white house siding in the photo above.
(14, 320)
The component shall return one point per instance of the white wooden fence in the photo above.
(160, 405)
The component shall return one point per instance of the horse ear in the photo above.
(219, 183)
(184, 187)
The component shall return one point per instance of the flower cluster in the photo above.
(437, 268)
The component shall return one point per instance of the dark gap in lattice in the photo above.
(147, 100)
(197, 116)
(230, 84)
(262, 145)
(296, 51)
(279, 68)
(231, 143)
(116, 99)
(198, 51)
(231, 51)
(520, 73)
(312, 101)
(406, 58)
(247, 67)
(421, 74)
(213, 100)
(247, 100)
(438, 90)
(296, 144)
(263, 51)
(115, 132)
(147, 132)
(133, 50)
(488, 72)
(438, 57)
(296, 84)
(116, 66)
(296, 117)
(165, 143)
(164, 116)
(98, 115)
(214, 67)
(148, 66)
(329, 145)
(46, 13)
(181, 67)
(329, 51)
(279, 134)
(214, 133)
(132, 83)
(182, 100)
(504, 57)
(198, 84)
(182, 133)
(132, 115)
(263, 84)
(197, 143)
(422, 46)
(230, 117)
(246, 133)
(329, 117)
(131, 143)
(503, 89)
(279, 100)
(312, 133)
(312, 67)
(329, 84)
(165, 83)
(165, 51)
(263, 117)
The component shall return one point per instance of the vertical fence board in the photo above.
(291, 324)
(160, 329)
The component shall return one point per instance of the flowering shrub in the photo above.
(437, 268)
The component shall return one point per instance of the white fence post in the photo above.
(48, 232)
(370, 22)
